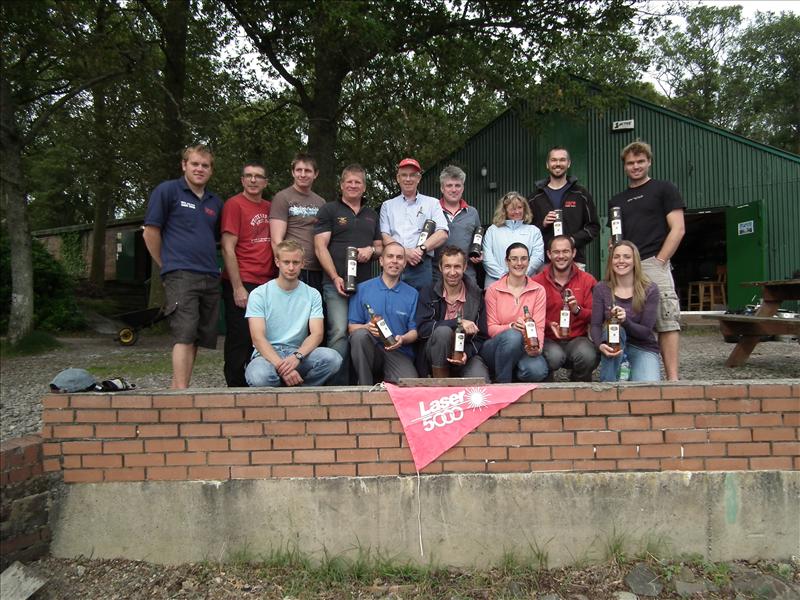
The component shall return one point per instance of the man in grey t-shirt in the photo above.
(294, 213)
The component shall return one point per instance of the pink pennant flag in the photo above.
(436, 418)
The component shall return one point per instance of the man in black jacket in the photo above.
(437, 312)
(559, 192)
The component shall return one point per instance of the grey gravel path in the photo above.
(24, 380)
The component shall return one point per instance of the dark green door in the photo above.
(744, 233)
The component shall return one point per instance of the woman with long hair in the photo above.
(627, 293)
(511, 223)
(506, 353)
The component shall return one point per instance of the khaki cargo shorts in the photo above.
(669, 310)
(192, 307)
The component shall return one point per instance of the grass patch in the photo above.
(36, 342)
(615, 548)
(133, 366)
(365, 573)
(131, 363)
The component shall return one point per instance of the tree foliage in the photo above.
(738, 75)
(49, 57)
(54, 291)
(405, 60)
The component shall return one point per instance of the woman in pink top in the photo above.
(505, 351)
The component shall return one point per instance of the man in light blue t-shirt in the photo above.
(285, 319)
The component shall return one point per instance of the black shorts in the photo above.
(192, 307)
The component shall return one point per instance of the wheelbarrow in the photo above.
(135, 321)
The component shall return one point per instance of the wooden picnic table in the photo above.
(751, 328)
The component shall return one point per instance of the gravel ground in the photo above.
(24, 380)
(128, 580)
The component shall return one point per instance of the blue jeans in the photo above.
(645, 365)
(336, 328)
(315, 369)
(421, 276)
(505, 351)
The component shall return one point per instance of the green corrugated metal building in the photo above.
(742, 197)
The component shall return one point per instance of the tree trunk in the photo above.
(20, 321)
(174, 29)
(174, 32)
(323, 117)
(103, 163)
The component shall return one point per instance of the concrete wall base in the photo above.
(466, 520)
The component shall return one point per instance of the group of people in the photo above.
(511, 303)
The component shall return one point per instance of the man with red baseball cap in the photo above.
(403, 219)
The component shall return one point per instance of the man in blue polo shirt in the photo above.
(181, 229)
(396, 303)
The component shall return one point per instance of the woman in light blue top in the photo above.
(511, 223)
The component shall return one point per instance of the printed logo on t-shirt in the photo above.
(210, 212)
(185, 204)
(639, 197)
(303, 211)
(570, 204)
(341, 221)
(259, 225)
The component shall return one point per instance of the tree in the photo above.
(761, 88)
(46, 64)
(737, 75)
(319, 48)
(689, 61)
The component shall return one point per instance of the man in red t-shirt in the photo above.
(247, 252)
(563, 280)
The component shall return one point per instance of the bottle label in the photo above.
(616, 226)
(352, 268)
(384, 328)
(530, 329)
(613, 333)
(558, 228)
(422, 237)
(459, 343)
(478, 239)
(564, 321)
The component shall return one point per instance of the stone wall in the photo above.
(24, 501)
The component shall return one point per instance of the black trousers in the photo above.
(238, 345)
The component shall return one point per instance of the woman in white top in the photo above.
(511, 223)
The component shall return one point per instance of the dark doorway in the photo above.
(702, 249)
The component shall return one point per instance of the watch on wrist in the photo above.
(423, 247)
(298, 355)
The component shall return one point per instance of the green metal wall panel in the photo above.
(514, 157)
(712, 168)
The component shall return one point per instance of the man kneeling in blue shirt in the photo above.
(384, 347)
(285, 318)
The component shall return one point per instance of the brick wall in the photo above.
(252, 435)
(24, 501)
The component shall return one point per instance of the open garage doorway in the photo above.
(724, 237)
(703, 251)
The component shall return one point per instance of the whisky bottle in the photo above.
(558, 224)
(459, 340)
(352, 270)
(531, 336)
(616, 225)
(566, 314)
(387, 337)
(476, 247)
(428, 227)
(612, 333)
